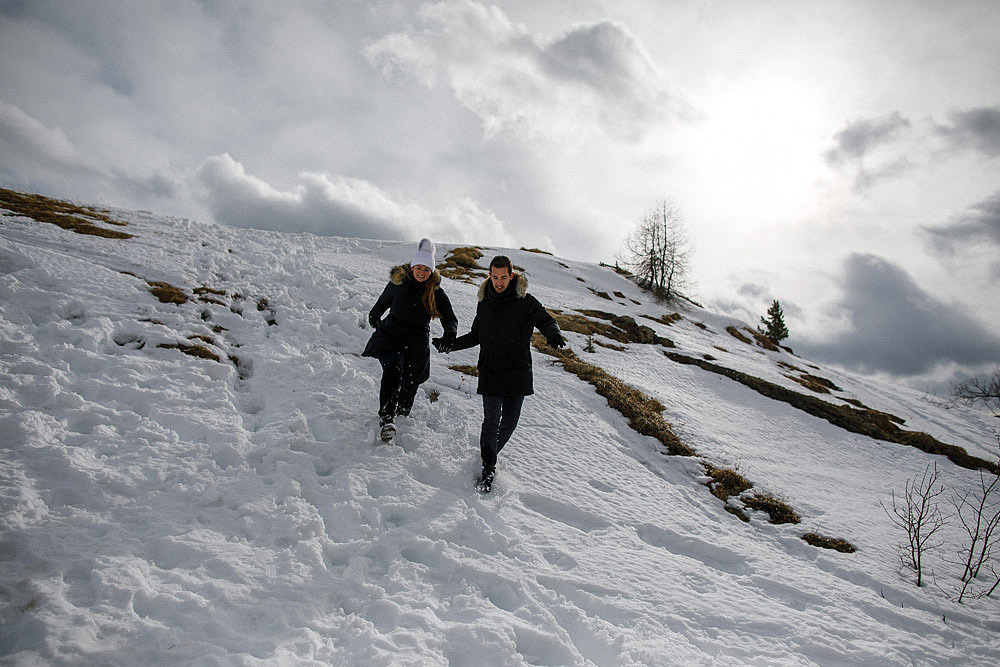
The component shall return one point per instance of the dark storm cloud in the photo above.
(859, 144)
(897, 327)
(859, 138)
(978, 226)
(977, 128)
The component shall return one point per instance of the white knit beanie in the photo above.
(424, 256)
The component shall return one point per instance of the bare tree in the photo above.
(980, 390)
(979, 512)
(918, 514)
(657, 252)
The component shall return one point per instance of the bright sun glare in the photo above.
(759, 152)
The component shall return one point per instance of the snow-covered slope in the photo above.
(164, 508)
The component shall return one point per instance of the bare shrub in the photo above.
(978, 510)
(917, 513)
(985, 391)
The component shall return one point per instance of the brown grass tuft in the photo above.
(837, 544)
(642, 411)
(629, 331)
(167, 293)
(762, 340)
(193, 350)
(726, 483)
(79, 219)
(666, 319)
(735, 333)
(467, 370)
(460, 264)
(778, 510)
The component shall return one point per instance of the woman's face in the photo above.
(421, 273)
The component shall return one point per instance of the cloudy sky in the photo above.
(843, 157)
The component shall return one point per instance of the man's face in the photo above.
(500, 277)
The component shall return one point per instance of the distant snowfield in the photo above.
(159, 508)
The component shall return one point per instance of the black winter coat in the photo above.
(502, 329)
(408, 324)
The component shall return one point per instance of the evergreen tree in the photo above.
(774, 325)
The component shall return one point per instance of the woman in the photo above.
(413, 298)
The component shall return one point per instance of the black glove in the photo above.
(373, 320)
(445, 343)
(556, 340)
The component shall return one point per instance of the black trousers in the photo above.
(500, 415)
(402, 372)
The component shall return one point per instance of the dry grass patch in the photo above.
(735, 333)
(631, 331)
(815, 383)
(757, 336)
(540, 252)
(79, 219)
(603, 295)
(666, 319)
(472, 371)
(206, 294)
(167, 293)
(460, 264)
(875, 424)
(777, 510)
(726, 483)
(586, 326)
(835, 543)
(193, 350)
(643, 412)
(762, 340)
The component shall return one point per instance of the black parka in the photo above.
(502, 328)
(408, 323)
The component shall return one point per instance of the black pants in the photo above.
(500, 415)
(402, 372)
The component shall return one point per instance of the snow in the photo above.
(160, 509)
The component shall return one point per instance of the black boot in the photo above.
(485, 483)
(388, 430)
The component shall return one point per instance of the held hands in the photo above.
(556, 340)
(445, 343)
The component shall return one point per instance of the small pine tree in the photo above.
(774, 325)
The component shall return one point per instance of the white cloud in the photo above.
(337, 205)
(594, 78)
(30, 144)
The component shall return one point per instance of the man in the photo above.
(505, 319)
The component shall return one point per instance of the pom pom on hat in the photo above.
(424, 256)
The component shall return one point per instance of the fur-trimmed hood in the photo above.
(520, 286)
(398, 274)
